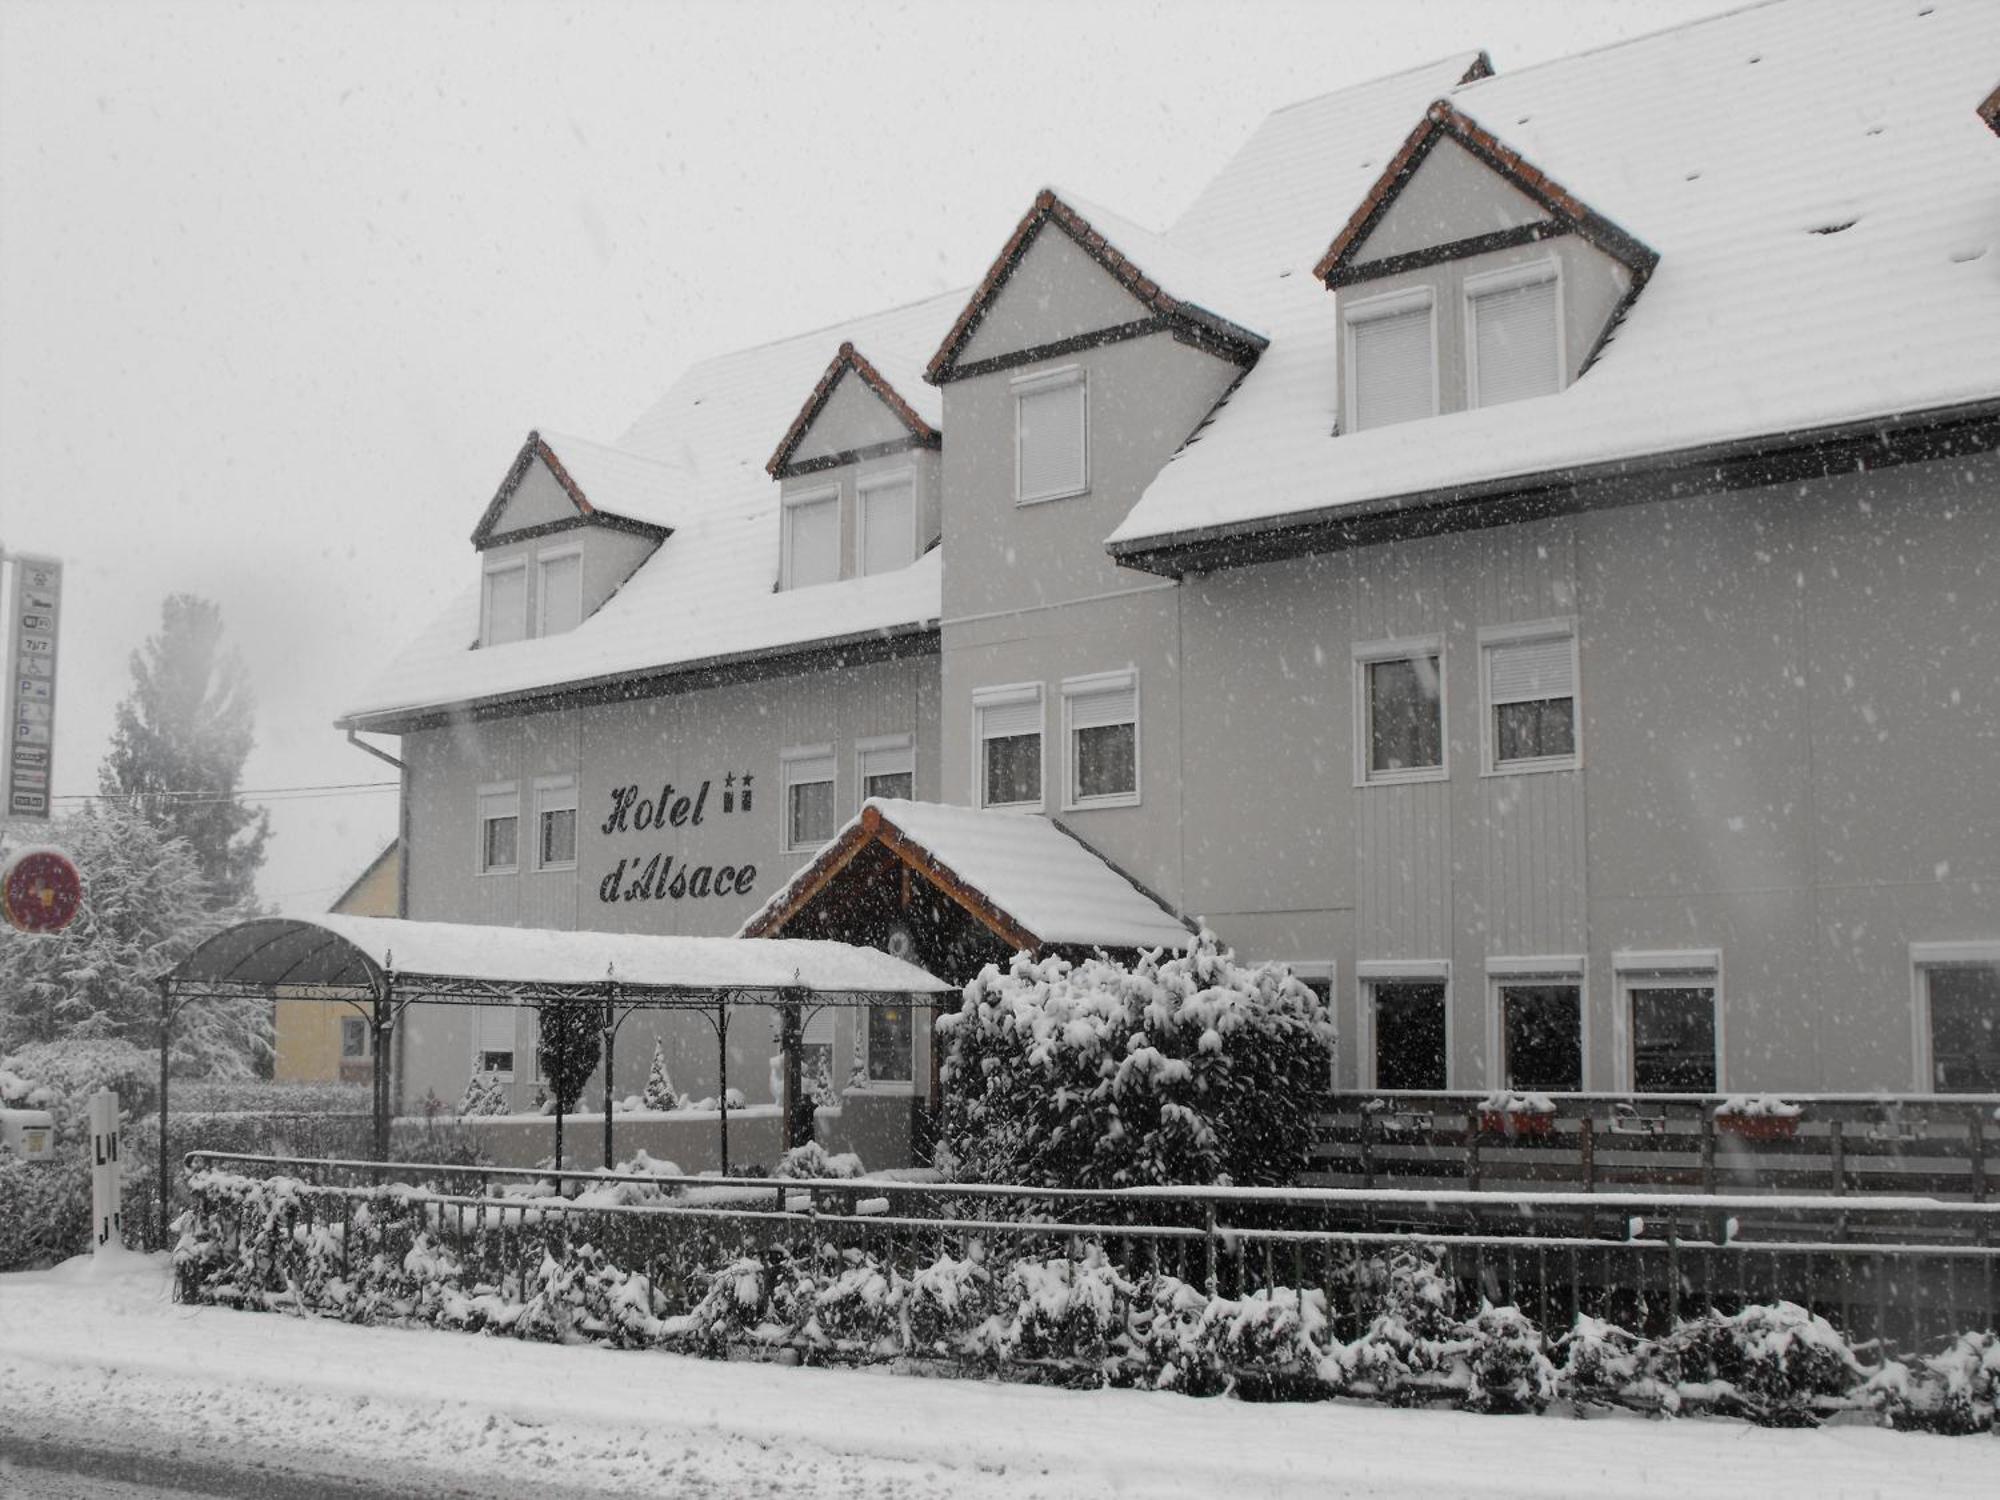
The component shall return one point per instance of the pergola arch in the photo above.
(383, 965)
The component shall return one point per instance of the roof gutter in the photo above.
(1746, 463)
(859, 648)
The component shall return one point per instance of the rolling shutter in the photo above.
(1527, 671)
(1003, 720)
(1051, 439)
(1393, 372)
(1112, 703)
(1514, 338)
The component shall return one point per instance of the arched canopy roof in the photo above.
(448, 960)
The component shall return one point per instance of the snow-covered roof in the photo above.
(708, 595)
(849, 360)
(1044, 880)
(1814, 177)
(337, 951)
(618, 482)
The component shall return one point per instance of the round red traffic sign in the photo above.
(41, 891)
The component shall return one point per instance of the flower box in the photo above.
(1759, 1127)
(1516, 1123)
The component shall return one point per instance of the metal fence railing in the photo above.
(1897, 1267)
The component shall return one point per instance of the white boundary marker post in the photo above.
(106, 1218)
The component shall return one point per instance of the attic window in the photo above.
(888, 539)
(503, 612)
(559, 592)
(1391, 360)
(1051, 436)
(812, 539)
(1514, 324)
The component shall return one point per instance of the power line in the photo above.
(302, 793)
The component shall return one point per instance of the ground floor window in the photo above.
(888, 767)
(1964, 1014)
(888, 1053)
(353, 1037)
(495, 1050)
(1541, 1036)
(1673, 1037)
(1409, 1034)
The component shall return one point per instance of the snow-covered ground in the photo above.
(103, 1354)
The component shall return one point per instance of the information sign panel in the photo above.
(34, 625)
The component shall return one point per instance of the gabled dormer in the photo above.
(569, 524)
(858, 477)
(1990, 111)
(1468, 277)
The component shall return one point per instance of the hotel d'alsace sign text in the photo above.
(666, 874)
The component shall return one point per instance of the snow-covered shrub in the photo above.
(1413, 1347)
(1954, 1391)
(1277, 1337)
(733, 1305)
(947, 1301)
(1606, 1365)
(858, 1305)
(484, 1095)
(1776, 1363)
(1077, 1312)
(812, 1160)
(660, 1092)
(1185, 1068)
(1508, 1361)
(1177, 1342)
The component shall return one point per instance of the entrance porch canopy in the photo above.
(380, 965)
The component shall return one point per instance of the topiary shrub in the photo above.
(1184, 1068)
(1508, 1360)
(1775, 1363)
(1413, 1348)
(1605, 1365)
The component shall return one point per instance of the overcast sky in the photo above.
(283, 286)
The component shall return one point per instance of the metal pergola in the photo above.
(352, 961)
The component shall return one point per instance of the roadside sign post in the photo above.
(107, 1217)
(34, 626)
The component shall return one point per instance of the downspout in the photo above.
(396, 1063)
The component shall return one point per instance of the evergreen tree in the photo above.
(660, 1091)
(145, 907)
(178, 748)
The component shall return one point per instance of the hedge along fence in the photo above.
(642, 1261)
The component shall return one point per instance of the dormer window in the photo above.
(1513, 335)
(812, 539)
(1392, 360)
(1051, 436)
(503, 613)
(888, 539)
(558, 592)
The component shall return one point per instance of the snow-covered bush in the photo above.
(812, 1160)
(484, 1095)
(1508, 1361)
(1954, 1391)
(1185, 1068)
(733, 1305)
(667, 1180)
(1606, 1365)
(1413, 1348)
(1077, 1312)
(660, 1092)
(948, 1300)
(1775, 1363)
(858, 1305)
(1191, 1342)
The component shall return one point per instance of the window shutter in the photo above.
(887, 760)
(1111, 704)
(1004, 719)
(496, 1028)
(1392, 371)
(506, 605)
(562, 597)
(1051, 440)
(805, 768)
(1526, 671)
(818, 1030)
(815, 542)
(1514, 336)
(888, 527)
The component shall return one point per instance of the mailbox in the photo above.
(28, 1133)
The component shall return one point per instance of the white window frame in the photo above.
(1003, 696)
(1672, 968)
(516, 565)
(1368, 654)
(886, 745)
(819, 495)
(359, 1025)
(890, 1087)
(790, 762)
(1085, 687)
(894, 479)
(1507, 279)
(542, 561)
(556, 794)
(1557, 968)
(1562, 627)
(479, 1049)
(491, 793)
(1387, 305)
(1371, 972)
(1036, 384)
(1925, 957)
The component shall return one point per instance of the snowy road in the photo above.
(257, 1405)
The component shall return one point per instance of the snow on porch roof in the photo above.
(337, 951)
(1034, 874)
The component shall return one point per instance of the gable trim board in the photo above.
(849, 359)
(1338, 268)
(486, 534)
(1989, 111)
(1205, 327)
(1749, 463)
